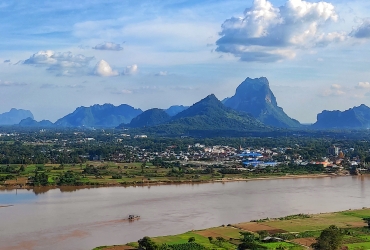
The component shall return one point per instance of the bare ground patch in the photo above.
(305, 241)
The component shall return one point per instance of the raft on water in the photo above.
(133, 217)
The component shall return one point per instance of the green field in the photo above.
(302, 229)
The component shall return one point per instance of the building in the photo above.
(333, 150)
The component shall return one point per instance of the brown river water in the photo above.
(86, 218)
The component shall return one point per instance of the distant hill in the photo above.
(255, 97)
(174, 110)
(106, 115)
(29, 122)
(353, 118)
(208, 115)
(150, 118)
(14, 116)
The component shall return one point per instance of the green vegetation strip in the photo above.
(349, 229)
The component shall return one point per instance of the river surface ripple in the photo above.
(85, 218)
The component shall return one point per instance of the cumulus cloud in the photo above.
(161, 73)
(63, 63)
(130, 70)
(363, 85)
(103, 68)
(363, 30)
(334, 90)
(122, 92)
(11, 84)
(268, 33)
(108, 46)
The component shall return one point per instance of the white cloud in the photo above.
(108, 46)
(267, 33)
(334, 90)
(11, 84)
(161, 73)
(102, 68)
(122, 92)
(130, 70)
(363, 85)
(335, 86)
(63, 63)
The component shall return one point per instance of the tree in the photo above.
(191, 239)
(367, 220)
(247, 237)
(147, 243)
(143, 166)
(330, 238)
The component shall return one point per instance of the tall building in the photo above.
(333, 150)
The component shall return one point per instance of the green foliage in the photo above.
(185, 246)
(147, 243)
(68, 178)
(191, 239)
(330, 238)
(40, 179)
(247, 237)
(251, 246)
(116, 176)
(367, 220)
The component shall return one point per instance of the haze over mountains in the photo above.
(353, 118)
(252, 107)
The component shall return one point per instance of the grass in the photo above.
(363, 213)
(224, 232)
(359, 246)
(316, 222)
(183, 238)
(274, 245)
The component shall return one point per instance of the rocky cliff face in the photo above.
(106, 115)
(255, 97)
(353, 118)
(14, 116)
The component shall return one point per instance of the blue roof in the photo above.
(251, 154)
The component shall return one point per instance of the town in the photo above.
(100, 157)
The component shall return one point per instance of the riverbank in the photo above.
(290, 232)
(167, 182)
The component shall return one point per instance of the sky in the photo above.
(58, 55)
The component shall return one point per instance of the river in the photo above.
(86, 218)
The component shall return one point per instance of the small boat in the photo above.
(133, 217)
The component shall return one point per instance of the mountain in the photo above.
(353, 118)
(106, 115)
(150, 118)
(206, 117)
(14, 116)
(210, 114)
(29, 122)
(255, 97)
(174, 110)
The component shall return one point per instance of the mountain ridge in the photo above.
(357, 117)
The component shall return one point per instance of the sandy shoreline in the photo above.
(160, 183)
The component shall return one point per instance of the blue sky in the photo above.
(58, 55)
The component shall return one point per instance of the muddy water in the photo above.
(86, 218)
